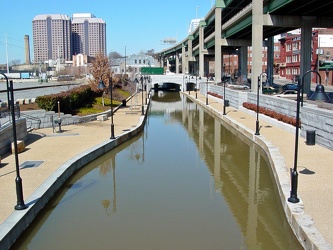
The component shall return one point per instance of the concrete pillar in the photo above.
(218, 44)
(306, 39)
(189, 53)
(270, 59)
(201, 48)
(167, 63)
(184, 59)
(257, 38)
(177, 63)
(242, 61)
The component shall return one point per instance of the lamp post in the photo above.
(146, 82)
(319, 94)
(207, 91)
(142, 104)
(258, 88)
(196, 86)
(20, 205)
(224, 100)
(101, 85)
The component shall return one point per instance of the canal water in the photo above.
(186, 182)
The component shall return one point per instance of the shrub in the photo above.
(271, 113)
(69, 100)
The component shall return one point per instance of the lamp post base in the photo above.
(19, 193)
(257, 128)
(294, 183)
(112, 132)
(293, 199)
(20, 207)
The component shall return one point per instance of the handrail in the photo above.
(30, 117)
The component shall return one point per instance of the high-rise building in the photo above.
(88, 34)
(52, 37)
(57, 37)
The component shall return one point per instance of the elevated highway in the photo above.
(233, 25)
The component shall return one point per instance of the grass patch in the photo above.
(97, 107)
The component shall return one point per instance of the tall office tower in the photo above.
(52, 37)
(89, 34)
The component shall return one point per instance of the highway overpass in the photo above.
(232, 25)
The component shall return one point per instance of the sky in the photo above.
(131, 25)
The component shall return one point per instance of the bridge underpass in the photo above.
(234, 25)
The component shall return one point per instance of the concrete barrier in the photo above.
(20, 147)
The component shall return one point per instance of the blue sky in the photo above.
(138, 25)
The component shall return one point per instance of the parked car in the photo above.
(277, 87)
(288, 94)
(269, 90)
(239, 86)
(289, 86)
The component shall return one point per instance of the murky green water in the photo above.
(185, 183)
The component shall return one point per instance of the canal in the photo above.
(186, 182)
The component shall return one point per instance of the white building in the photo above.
(193, 25)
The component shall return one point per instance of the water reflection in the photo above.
(187, 182)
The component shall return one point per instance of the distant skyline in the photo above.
(138, 25)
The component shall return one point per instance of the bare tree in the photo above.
(15, 62)
(101, 70)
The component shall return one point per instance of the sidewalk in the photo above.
(46, 151)
(315, 179)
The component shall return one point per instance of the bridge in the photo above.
(232, 25)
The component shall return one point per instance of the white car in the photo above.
(238, 86)
(288, 94)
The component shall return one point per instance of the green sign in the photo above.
(152, 71)
(325, 65)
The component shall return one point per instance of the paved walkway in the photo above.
(46, 151)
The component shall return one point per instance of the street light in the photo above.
(196, 86)
(101, 85)
(207, 91)
(224, 100)
(319, 94)
(294, 175)
(19, 190)
(258, 87)
(142, 104)
(146, 82)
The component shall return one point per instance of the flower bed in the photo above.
(271, 113)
